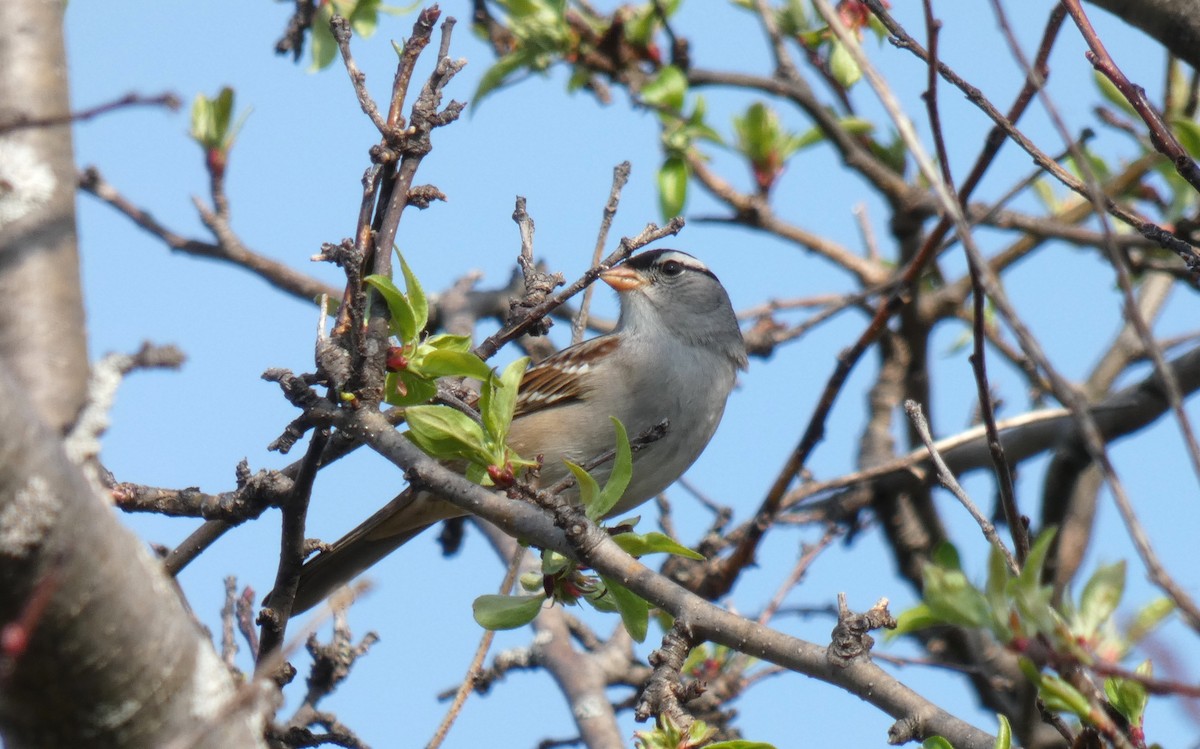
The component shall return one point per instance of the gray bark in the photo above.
(41, 329)
(98, 648)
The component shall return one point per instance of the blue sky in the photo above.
(294, 183)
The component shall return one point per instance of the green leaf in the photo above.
(588, 488)
(1100, 596)
(1045, 194)
(995, 591)
(1003, 734)
(895, 154)
(1095, 163)
(415, 294)
(324, 46)
(667, 90)
(618, 478)
(404, 322)
(792, 19)
(506, 612)
(1129, 696)
(876, 26)
(1149, 617)
(857, 125)
(447, 363)
(501, 70)
(204, 129)
(697, 129)
(223, 110)
(364, 18)
(809, 137)
(416, 389)
(842, 66)
(580, 77)
(757, 131)
(630, 521)
(945, 555)
(554, 563)
(212, 120)
(444, 432)
(644, 21)
(654, 543)
(1188, 133)
(597, 596)
(952, 598)
(498, 400)
(635, 612)
(1060, 696)
(1031, 573)
(1109, 91)
(917, 618)
(997, 576)
(1032, 598)
(936, 742)
(672, 187)
(448, 342)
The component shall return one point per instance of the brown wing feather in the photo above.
(554, 381)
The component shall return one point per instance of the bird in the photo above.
(674, 355)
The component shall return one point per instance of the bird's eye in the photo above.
(672, 268)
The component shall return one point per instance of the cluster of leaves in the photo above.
(545, 32)
(666, 735)
(759, 137)
(1181, 200)
(1018, 611)
(542, 33)
(363, 16)
(816, 38)
(414, 366)
(561, 580)
(795, 23)
(667, 94)
(214, 128)
(540, 37)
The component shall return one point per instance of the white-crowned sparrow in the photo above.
(674, 355)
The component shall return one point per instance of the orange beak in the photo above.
(622, 278)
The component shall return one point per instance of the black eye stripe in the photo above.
(660, 259)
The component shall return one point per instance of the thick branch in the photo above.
(99, 649)
(521, 520)
(42, 329)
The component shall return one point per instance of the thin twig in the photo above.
(1189, 254)
(358, 79)
(229, 646)
(650, 234)
(1124, 280)
(620, 177)
(473, 671)
(808, 555)
(291, 556)
(167, 100)
(277, 274)
(913, 409)
(987, 411)
(1090, 433)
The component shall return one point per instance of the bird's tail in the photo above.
(387, 530)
